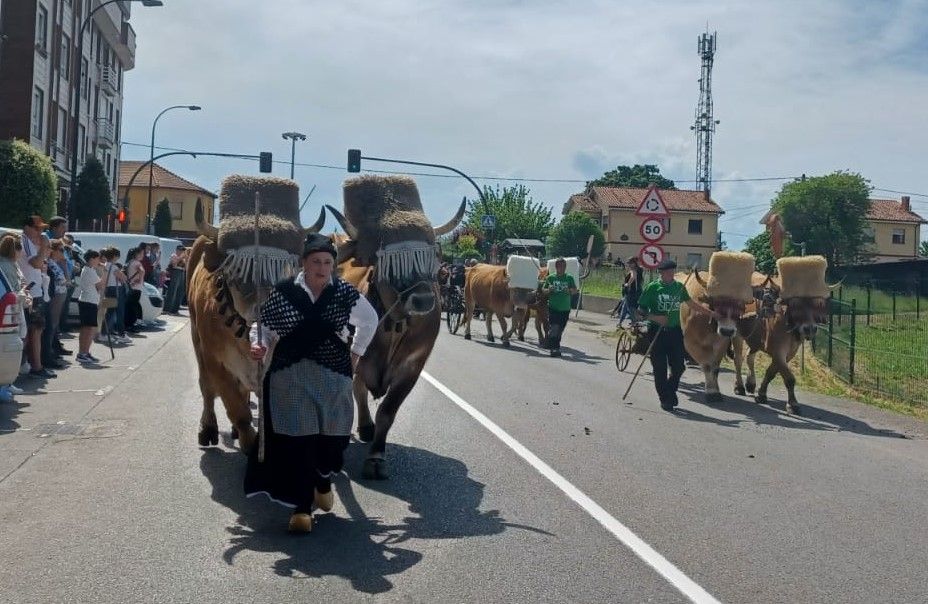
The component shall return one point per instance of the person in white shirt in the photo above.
(32, 264)
(89, 286)
(308, 408)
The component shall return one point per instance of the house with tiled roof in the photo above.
(894, 230)
(691, 230)
(182, 196)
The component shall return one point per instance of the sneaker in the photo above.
(25, 368)
(101, 339)
(53, 364)
(93, 358)
(43, 373)
(14, 389)
(124, 339)
(83, 358)
(63, 352)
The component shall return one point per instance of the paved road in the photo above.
(104, 496)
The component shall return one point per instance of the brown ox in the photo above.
(221, 311)
(538, 310)
(778, 329)
(383, 216)
(487, 286)
(707, 340)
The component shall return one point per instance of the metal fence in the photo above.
(880, 346)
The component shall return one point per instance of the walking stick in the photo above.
(256, 275)
(647, 354)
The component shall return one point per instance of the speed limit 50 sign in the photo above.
(652, 230)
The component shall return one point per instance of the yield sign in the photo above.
(652, 204)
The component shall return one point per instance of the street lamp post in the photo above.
(77, 102)
(293, 137)
(151, 158)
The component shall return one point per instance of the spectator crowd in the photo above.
(43, 267)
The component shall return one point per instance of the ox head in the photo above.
(728, 309)
(388, 230)
(804, 293)
(522, 273)
(249, 271)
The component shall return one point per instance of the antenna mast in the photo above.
(705, 121)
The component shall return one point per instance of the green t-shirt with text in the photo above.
(659, 298)
(559, 287)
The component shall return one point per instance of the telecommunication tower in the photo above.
(705, 121)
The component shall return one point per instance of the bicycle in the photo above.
(454, 307)
(634, 338)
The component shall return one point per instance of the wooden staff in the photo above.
(256, 275)
(647, 354)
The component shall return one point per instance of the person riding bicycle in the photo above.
(456, 275)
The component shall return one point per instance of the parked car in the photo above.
(11, 345)
(121, 241)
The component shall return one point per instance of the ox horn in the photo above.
(317, 226)
(349, 228)
(205, 229)
(454, 222)
(838, 284)
(699, 280)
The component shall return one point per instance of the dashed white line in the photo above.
(645, 552)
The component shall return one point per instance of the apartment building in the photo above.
(691, 230)
(41, 72)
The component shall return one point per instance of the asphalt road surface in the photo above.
(515, 478)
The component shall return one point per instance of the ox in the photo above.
(789, 311)
(537, 310)
(726, 289)
(506, 291)
(390, 256)
(223, 303)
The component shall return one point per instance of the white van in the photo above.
(121, 241)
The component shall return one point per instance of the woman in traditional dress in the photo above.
(308, 407)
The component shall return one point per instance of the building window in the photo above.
(899, 236)
(666, 222)
(85, 78)
(64, 64)
(82, 141)
(41, 29)
(694, 259)
(177, 210)
(694, 227)
(38, 111)
(62, 142)
(869, 235)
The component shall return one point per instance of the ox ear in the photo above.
(205, 229)
(346, 251)
(454, 222)
(317, 226)
(349, 228)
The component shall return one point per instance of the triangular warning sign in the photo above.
(652, 204)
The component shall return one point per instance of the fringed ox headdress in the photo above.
(803, 277)
(730, 275)
(406, 262)
(274, 264)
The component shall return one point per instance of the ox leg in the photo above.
(789, 380)
(738, 345)
(235, 399)
(209, 427)
(468, 315)
(711, 374)
(489, 318)
(365, 423)
(375, 466)
(506, 332)
(751, 383)
(761, 396)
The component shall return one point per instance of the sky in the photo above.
(518, 89)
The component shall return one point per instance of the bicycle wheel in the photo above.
(623, 350)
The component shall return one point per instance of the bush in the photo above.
(163, 223)
(569, 237)
(27, 183)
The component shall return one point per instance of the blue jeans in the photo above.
(627, 309)
(115, 317)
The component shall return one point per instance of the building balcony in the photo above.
(128, 41)
(108, 80)
(106, 133)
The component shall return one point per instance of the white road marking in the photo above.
(649, 555)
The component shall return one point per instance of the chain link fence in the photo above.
(878, 342)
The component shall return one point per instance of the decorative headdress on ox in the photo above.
(281, 236)
(730, 276)
(387, 227)
(803, 277)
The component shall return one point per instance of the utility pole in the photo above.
(293, 137)
(705, 122)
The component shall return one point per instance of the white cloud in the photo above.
(537, 89)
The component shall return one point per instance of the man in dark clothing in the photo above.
(660, 304)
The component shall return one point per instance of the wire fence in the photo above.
(880, 346)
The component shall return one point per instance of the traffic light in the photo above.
(354, 160)
(121, 216)
(265, 162)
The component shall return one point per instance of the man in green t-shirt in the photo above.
(560, 287)
(660, 304)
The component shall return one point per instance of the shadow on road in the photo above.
(526, 348)
(8, 413)
(773, 414)
(443, 504)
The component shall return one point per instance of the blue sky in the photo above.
(548, 90)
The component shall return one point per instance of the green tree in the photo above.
(829, 214)
(923, 248)
(517, 215)
(570, 236)
(92, 199)
(163, 223)
(639, 176)
(27, 183)
(759, 247)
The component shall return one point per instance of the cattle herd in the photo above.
(388, 251)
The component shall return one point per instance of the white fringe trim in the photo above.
(274, 264)
(406, 260)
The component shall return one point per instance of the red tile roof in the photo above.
(892, 210)
(630, 198)
(162, 178)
